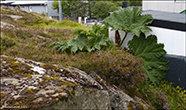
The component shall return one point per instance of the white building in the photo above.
(164, 5)
(41, 6)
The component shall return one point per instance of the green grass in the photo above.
(65, 24)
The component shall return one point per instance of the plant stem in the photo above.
(123, 39)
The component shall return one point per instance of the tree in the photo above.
(93, 9)
(71, 8)
(102, 8)
(134, 2)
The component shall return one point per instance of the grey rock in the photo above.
(35, 85)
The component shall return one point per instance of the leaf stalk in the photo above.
(123, 39)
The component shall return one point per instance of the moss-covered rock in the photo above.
(27, 84)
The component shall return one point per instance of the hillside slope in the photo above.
(32, 80)
(21, 29)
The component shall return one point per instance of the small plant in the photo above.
(151, 52)
(164, 96)
(128, 20)
(99, 40)
(43, 14)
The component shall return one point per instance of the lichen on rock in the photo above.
(34, 85)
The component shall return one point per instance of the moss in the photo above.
(28, 76)
(46, 88)
(15, 67)
(48, 78)
(89, 89)
(97, 79)
(29, 90)
(135, 106)
(50, 66)
(3, 12)
(66, 83)
(16, 103)
(56, 77)
(3, 96)
(76, 72)
(8, 59)
(131, 90)
(59, 91)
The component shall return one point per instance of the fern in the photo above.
(129, 20)
(151, 52)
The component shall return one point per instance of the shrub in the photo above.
(115, 66)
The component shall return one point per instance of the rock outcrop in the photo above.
(26, 84)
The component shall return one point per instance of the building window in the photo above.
(180, 0)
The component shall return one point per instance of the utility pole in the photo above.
(60, 12)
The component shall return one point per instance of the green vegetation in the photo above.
(183, 12)
(102, 8)
(98, 41)
(76, 8)
(129, 20)
(148, 49)
(91, 9)
(164, 96)
(114, 64)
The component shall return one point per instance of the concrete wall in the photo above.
(174, 40)
(164, 5)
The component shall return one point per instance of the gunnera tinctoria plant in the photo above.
(131, 21)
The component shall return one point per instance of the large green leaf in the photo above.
(79, 43)
(98, 30)
(60, 46)
(129, 20)
(147, 47)
(79, 31)
(151, 52)
(98, 42)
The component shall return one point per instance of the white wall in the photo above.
(51, 12)
(164, 5)
(37, 9)
(174, 41)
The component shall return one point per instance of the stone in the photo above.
(57, 87)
